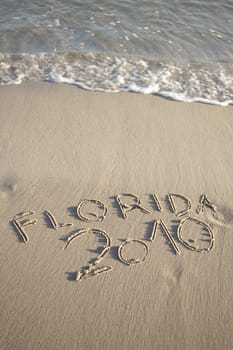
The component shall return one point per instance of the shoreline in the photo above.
(61, 145)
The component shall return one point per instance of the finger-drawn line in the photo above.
(21, 231)
(189, 246)
(74, 235)
(97, 218)
(19, 225)
(95, 272)
(92, 270)
(132, 261)
(125, 207)
(52, 219)
(157, 202)
(154, 229)
(29, 222)
(23, 214)
(101, 256)
(204, 201)
(171, 239)
(65, 225)
(172, 203)
(54, 222)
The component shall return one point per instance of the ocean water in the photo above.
(179, 49)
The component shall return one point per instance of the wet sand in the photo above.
(173, 289)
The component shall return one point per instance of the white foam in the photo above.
(206, 84)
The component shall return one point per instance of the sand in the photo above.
(61, 145)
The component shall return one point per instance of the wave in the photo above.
(202, 82)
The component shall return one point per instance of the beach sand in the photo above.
(60, 145)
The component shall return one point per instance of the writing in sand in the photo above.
(93, 210)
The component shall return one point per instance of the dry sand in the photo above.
(60, 145)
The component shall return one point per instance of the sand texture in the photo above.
(116, 227)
